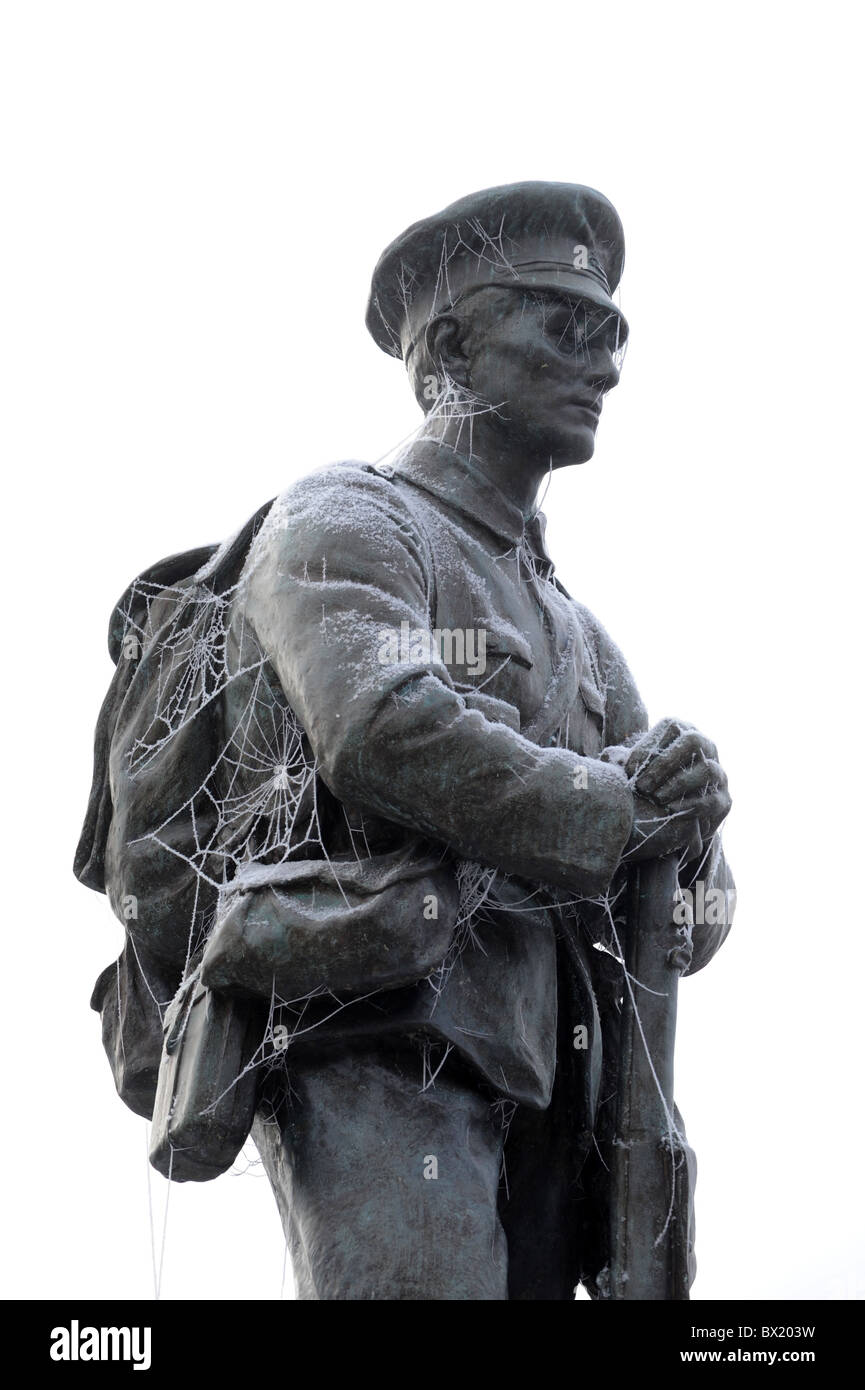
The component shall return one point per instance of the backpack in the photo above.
(160, 727)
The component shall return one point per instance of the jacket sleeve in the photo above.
(716, 900)
(339, 588)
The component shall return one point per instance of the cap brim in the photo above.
(566, 281)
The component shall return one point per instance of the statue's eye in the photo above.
(567, 329)
(578, 327)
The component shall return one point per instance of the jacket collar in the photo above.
(458, 482)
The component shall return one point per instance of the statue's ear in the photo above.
(442, 340)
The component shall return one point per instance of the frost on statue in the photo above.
(414, 918)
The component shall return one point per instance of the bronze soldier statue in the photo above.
(374, 798)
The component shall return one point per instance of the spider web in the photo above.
(262, 800)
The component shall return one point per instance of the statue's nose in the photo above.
(604, 370)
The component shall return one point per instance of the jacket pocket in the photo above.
(349, 926)
(507, 643)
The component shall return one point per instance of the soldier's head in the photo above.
(501, 309)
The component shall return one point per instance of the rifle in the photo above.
(652, 1168)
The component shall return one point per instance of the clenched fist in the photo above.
(680, 790)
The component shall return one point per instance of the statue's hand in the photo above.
(680, 791)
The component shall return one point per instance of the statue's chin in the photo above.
(578, 448)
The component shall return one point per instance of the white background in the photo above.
(195, 195)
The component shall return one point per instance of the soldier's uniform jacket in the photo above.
(422, 766)
(497, 760)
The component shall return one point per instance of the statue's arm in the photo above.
(715, 903)
(343, 565)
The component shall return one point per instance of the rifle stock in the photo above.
(651, 1167)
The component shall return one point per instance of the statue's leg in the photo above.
(542, 1204)
(538, 1209)
(386, 1191)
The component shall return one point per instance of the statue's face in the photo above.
(547, 360)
